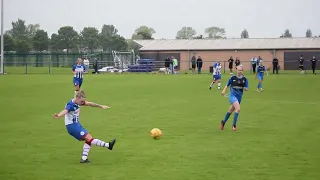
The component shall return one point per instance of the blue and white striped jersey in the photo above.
(79, 69)
(217, 68)
(73, 113)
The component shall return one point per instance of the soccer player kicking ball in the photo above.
(71, 115)
(237, 84)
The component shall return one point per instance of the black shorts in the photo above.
(230, 66)
(193, 66)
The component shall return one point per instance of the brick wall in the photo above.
(245, 56)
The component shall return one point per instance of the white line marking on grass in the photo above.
(285, 102)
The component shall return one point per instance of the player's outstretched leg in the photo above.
(236, 106)
(91, 141)
(223, 122)
(219, 84)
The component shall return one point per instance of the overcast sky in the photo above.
(262, 18)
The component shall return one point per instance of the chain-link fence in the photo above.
(42, 66)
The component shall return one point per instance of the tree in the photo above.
(111, 40)
(309, 33)
(90, 38)
(108, 30)
(32, 29)
(186, 33)
(68, 38)
(133, 46)
(244, 34)
(215, 32)
(22, 47)
(143, 32)
(119, 43)
(40, 40)
(19, 30)
(9, 43)
(286, 34)
(55, 42)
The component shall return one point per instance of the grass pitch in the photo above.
(278, 135)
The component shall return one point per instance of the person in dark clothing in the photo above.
(237, 62)
(313, 64)
(254, 64)
(199, 64)
(95, 66)
(193, 63)
(231, 64)
(275, 63)
(301, 65)
(167, 64)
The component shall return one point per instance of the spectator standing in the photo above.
(275, 64)
(231, 64)
(199, 64)
(193, 63)
(86, 64)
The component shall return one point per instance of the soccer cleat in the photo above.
(210, 87)
(84, 161)
(261, 89)
(258, 90)
(111, 144)
(234, 128)
(222, 125)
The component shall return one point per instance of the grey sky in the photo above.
(262, 18)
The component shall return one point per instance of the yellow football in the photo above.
(156, 133)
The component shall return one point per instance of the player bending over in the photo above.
(216, 75)
(260, 74)
(71, 115)
(237, 84)
(78, 71)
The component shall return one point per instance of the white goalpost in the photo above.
(122, 60)
(2, 40)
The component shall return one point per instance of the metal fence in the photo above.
(58, 62)
(64, 66)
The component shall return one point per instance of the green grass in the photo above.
(37, 70)
(278, 130)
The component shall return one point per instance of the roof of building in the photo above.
(229, 44)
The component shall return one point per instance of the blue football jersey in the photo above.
(261, 70)
(217, 68)
(79, 69)
(73, 113)
(237, 84)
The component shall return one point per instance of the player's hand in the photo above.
(55, 116)
(223, 93)
(105, 107)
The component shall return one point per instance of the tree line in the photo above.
(24, 38)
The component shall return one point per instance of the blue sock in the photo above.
(235, 119)
(226, 117)
(261, 85)
(258, 85)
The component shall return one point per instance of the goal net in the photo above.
(122, 60)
